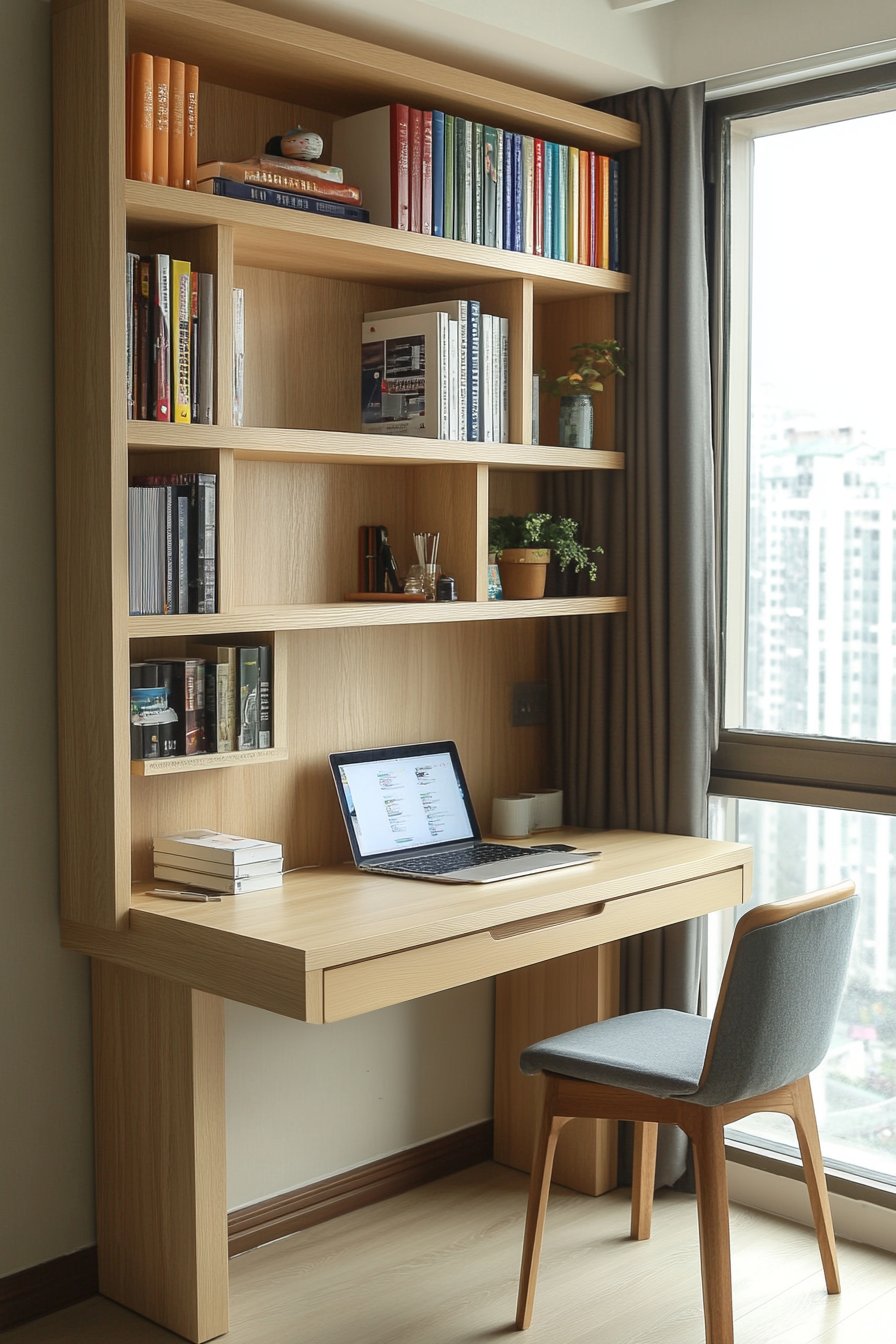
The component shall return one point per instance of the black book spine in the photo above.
(171, 676)
(211, 705)
(265, 733)
(202, 543)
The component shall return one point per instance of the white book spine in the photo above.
(528, 194)
(453, 381)
(486, 380)
(239, 351)
(468, 183)
(462, 368)
(442, 372)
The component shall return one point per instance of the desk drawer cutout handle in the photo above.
(538, 922)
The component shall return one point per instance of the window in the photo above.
(806, 766)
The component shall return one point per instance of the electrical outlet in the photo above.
(529, 706)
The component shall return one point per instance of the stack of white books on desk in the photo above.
(217, 862)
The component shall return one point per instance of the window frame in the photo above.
(839, 773)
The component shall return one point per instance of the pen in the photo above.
(184, 895)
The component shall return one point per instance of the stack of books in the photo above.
(433, 173)
(169, 340)
(217, 700)
(232, 864)
(295, 184)
(437, 371)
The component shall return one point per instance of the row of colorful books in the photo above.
(162, 120)
(169, 341)
(434, 173)
(172, 543)
(231, 864)
(217, 699)
(436, 370)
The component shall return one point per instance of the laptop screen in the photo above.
(397, 800)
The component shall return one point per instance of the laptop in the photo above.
(408, 813)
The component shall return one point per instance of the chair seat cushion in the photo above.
(659, 1052)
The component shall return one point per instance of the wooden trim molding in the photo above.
(70, 1279)
(48, 1287)
(312, 1204)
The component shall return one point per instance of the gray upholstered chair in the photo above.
(773, 1024)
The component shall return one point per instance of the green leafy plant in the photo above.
(590, 364)
(534, 530)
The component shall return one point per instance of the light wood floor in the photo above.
(439, 1266)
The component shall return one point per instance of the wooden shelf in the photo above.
(349, 615)
(273, 238)
(179, 765)
(313, 445)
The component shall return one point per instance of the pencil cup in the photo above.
(547, 809)
(512, 816)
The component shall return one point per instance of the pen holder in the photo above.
(512, 815)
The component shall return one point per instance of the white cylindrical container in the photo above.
(512, 816)
(547, 809)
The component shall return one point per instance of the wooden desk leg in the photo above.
(160, 1150)
(531, 1004)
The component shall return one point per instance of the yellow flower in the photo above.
(575, 377)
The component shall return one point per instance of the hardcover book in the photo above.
(438, 174)
(373, 150)
(181, 309)
(404, 376)
(459, 311)
(141, 116)
(176, 125)
(191, 125)
(265, 730)
(161, 73)
(293, 177)
(288, 200)
(247, 673)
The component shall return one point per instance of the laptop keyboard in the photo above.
(436, 864)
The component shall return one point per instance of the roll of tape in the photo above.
(547, 809)
(512, 816)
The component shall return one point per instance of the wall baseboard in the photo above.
(48, 1287)
(282, 1215)
(70, 1279)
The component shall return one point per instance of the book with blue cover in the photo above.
(289, 200)
(438, 174)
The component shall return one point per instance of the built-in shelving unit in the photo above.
(297, 479)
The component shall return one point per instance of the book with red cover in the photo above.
(176, 125)
(141, 121)
(191, 125)
(161, 76)
(538, 198)
(372, 148)
(415, 168)
(426, 175)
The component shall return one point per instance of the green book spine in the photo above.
(448, 226)
(489, 185)
(478, 181)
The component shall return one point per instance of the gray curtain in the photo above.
(634, 704)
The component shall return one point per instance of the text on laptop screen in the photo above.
(401, 803)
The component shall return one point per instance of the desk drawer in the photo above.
(363, 986)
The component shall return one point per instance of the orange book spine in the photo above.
(161, 77)
(141, 127)
(584, 201)
(191, 125)
(128, 114)
(176, 125)
(604, 260)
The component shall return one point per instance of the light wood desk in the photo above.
(332, 944)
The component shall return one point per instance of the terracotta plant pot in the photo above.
(524, 572)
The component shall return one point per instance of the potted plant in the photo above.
(591, 363)
(524, 544)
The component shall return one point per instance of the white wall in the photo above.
(302, 1102)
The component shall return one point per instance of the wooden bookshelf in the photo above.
(297, 479)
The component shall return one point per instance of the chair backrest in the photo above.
(780, 995)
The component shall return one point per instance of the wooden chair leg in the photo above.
(708, 1137)
(806, 1127)
(643, 1176)
(539, 1188)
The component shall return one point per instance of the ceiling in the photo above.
(583, 49)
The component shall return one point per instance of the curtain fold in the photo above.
(634, 709)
